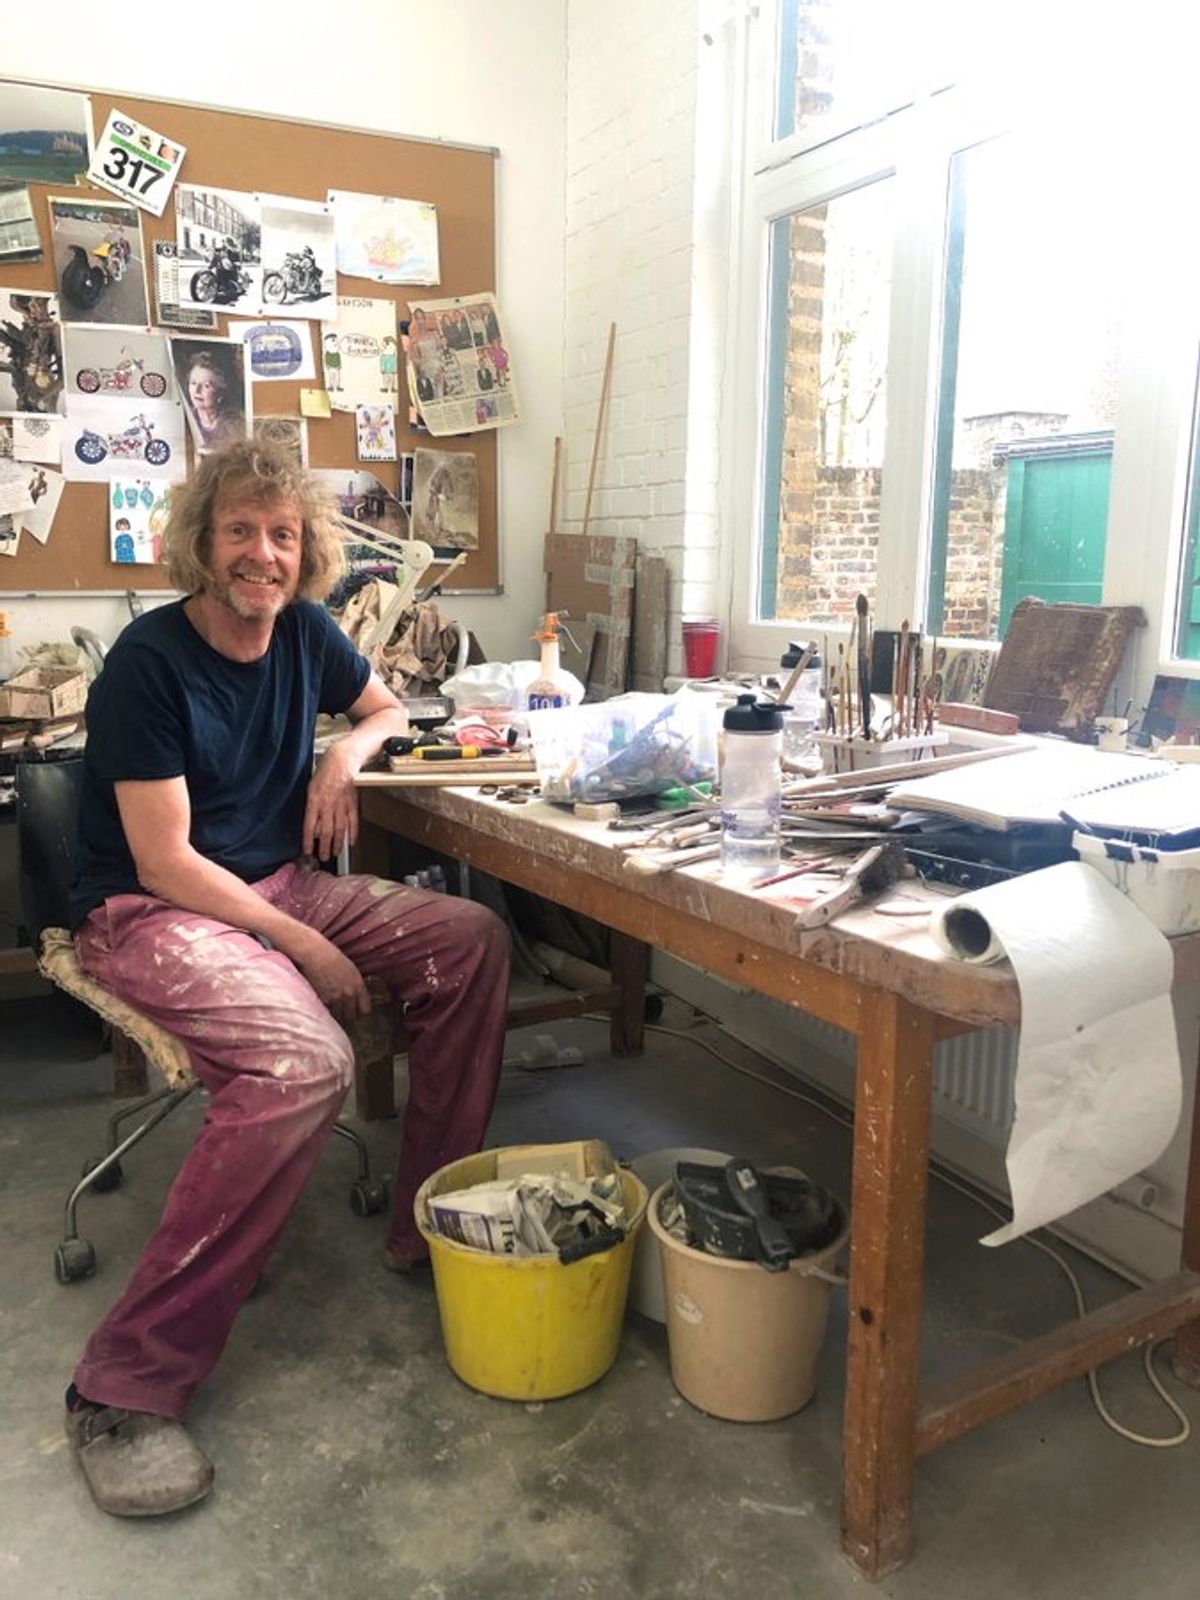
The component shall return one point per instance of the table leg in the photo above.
(887, 1230)
(1186, 1357)
(629, 965)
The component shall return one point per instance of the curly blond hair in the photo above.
(262, 472)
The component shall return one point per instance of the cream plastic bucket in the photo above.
(744, 1342)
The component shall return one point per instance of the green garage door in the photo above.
(1055, 518)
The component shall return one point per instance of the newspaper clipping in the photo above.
(459, 375)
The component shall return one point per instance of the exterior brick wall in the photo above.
(829, 540)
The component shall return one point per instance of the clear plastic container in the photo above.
(750, 789)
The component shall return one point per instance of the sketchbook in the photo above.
(1132, 797)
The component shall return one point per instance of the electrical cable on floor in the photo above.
(846, 1121)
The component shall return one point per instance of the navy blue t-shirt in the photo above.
(168, 705)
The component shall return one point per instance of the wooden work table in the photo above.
(883, 980)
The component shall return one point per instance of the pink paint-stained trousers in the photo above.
(277, 1066)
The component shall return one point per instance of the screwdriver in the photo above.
(448, 752)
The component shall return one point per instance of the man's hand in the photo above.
(331, 811)
(336, 979)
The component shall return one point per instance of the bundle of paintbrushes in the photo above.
(853, 738)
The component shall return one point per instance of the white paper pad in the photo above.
(1098, 1086)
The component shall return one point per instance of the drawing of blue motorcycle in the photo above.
(135, 443)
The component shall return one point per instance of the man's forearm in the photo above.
(366, 738)
(193, 883)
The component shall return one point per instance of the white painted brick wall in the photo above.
(644, 241)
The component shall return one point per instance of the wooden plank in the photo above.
(891, 1153)
(648, 658)
(630, 963)
(978, 1396)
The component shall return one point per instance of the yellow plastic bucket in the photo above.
(527, 1327)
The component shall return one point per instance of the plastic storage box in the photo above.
(1163, 884)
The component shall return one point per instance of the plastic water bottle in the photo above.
(804, 715)
(750, 784)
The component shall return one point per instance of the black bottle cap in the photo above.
(752, 715)
(791, 656)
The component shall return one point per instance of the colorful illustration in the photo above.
(352, 350)
(376, 431)
(136, 518)
(385, 238)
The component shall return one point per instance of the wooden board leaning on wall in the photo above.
(265, 155)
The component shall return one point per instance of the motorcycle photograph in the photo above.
(298, 279)
(86, 277)
(135, 443)
(223, 281)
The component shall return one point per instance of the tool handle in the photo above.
(599, 1242)
(847, 892)
(772, 1247)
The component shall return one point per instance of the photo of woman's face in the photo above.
(206, 389)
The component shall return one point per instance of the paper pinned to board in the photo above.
(1098, 1086)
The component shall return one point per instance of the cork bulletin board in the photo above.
(236, 150)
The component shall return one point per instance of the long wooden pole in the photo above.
(554, 485)
(600, 415)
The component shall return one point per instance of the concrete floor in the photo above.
(350, 1461)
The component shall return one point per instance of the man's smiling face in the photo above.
(255, 558)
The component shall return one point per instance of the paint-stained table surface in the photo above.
(883, 980)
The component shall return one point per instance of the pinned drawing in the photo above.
(385, 238)
(31, 362)
(352, 349)
(137, 515)
(276, 349)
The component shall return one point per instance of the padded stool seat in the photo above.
(58, 962)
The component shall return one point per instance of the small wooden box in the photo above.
(42, 692)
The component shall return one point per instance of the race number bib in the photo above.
(135, 162)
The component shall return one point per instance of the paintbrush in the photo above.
(864, 665)
(900, 682)
(875, 870)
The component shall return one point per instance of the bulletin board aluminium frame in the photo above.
(250, 151)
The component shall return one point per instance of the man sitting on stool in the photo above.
(199, 901)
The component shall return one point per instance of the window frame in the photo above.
(1157, 359)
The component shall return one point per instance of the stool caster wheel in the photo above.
(111, 1179)
(74, 1258)
(367, 1197)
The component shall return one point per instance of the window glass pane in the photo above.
(1028, 391)
(1187, 627)
(846, 62)
(826, 405)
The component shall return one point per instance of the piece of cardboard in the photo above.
(591, 578)
(578, 1159)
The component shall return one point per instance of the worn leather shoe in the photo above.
(395, 1262)
(137, 1464)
